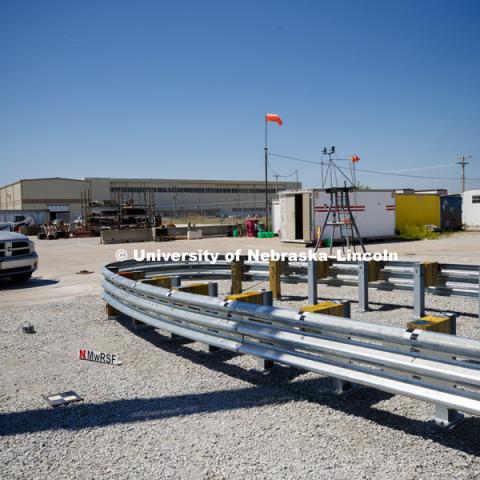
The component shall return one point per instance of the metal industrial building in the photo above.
(170, 197)
(59, 196)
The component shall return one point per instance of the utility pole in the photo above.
(266, 179)
(462, 162)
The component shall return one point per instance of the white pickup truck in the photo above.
(18, 259)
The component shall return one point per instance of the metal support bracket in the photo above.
(363, 286)
(312, 282)
(212, 289)
(418, 290)
(343, 388)
(447, 418)
(263, 364)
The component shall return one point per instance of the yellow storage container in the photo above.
(417, 209)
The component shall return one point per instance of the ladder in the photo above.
(340, 216)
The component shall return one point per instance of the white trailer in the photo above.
(303, 213)
(471, 209)
(276, 215)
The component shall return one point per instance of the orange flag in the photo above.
(355, 158)
(272, 117)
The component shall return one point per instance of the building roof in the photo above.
(42, 179)
(182, 180)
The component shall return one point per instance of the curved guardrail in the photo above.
(449, 280)
(453, 279)
(437, 368)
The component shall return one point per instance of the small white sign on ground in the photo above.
(99, 357)
(63, 398)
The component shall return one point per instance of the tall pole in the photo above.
(266, 177)
(462, 162)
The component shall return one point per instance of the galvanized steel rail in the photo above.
(453, 279)
(437, 368)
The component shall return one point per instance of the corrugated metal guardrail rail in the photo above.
(434, 367)
(451, 280)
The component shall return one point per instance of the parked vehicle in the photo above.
(7, 226)
(18, 259)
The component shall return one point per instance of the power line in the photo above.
(374, 172)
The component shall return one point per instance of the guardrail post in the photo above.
(312, 282)
(447, 417)
(176, 281)
(212, 292)
(343, 387)
(111, 313)
(212, 289)
(237, 275)
(363, 286)
(418, 290)
(453, 323)
(263, 364)
(267, 298)
(275, 270)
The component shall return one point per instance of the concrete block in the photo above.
(194, 234)
(126, 235)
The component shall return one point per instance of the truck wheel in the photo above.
(21, 277)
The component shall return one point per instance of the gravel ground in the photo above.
(171, 410)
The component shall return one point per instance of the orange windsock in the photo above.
(355, 158)
(272, 117)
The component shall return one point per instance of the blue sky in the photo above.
(179, 89)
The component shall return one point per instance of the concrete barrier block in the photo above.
(127, 235)
(194, 234)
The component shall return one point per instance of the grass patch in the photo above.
(417, 232)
